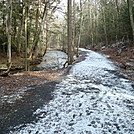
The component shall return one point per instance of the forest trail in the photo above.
(92, 99)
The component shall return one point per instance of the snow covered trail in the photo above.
(93, 99)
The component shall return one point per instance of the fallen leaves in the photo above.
(14, 86)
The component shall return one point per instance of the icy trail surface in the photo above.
(93, 99)
(53, 59)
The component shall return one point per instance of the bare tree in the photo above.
(9, 29)
(70, 53)
(26, 34)
(130, 3)
(80, 30)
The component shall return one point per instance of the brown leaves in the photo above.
(14, 86)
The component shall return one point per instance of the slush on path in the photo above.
(92, 99)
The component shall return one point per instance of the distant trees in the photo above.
(25, 25)
(28, 27)
(104, 21)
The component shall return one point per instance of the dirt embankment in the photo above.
(122, 54)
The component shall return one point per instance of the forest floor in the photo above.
(17, 62)
(121, 54)
(16, 89)
(92, 98)
(22, 94)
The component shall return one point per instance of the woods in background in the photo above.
(105, 21)
(29, 27)
(24, 26)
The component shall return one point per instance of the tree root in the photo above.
(6, 73)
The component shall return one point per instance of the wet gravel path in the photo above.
(22, 111)
(93, 99)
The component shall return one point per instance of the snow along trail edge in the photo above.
(93, 99)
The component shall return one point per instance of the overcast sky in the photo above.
(65, 1)
(63, 5)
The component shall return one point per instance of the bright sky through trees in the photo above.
(63, 6)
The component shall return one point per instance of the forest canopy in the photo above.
(29, 27)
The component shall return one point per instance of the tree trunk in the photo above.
(9, 30)
(46, 39)
(130, 3)
(117, 23)
(20, 31)
(70, 53)
(3, 17)
(63, 36)
(105, 27)
(80, 30)
(74, 27)
(26, 34)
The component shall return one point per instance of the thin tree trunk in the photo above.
(63, 44)
(130, 3)
(105, 27)
(89, 31)
(80, 30)
(70, 54)
(3, 17)
(91, 26)
(96, 24)
(20, 32)
(46, 37)
(9, 30)
(74, 26)
(117, 23)
(26, 34)
(36, 34)
(46, 31)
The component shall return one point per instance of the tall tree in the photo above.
(80, 27)
(26, 33)
(130, 4)
(69, 13)
(9, 29)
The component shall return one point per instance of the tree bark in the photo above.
(105, 27)
(9, 30)
(117, 23)
(20, 32)
(70, 53)
(80, 30)
(74, 27)
(130, 3)
(26, 34)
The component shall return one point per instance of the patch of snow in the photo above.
(113, 45)
(91, 100)
(12, 97)
(53, 59)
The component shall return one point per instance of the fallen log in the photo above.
(6, 73)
